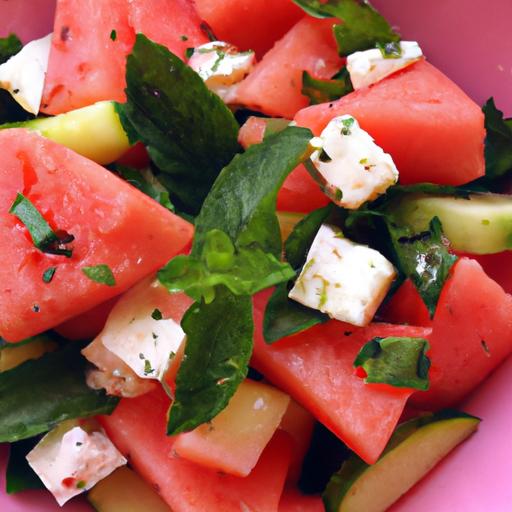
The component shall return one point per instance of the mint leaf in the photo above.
(101, 274)
(217, 353)
(9, 46)
(188, 130)
(498, 142)
(43, 236)
(19, 475)
(322, 91)
(48, 274)
(400, 362)
(37, 395)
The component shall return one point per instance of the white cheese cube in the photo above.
(350, 167)
(221, 66)
(70, 460)
(371, 66)
(23, 74)
(345, 280)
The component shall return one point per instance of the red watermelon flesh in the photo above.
(315, 368)
(137, 427)
(432, 129)
(274, 86)
(113, 224)
(92, 38)
(250, 24)
(471, 335)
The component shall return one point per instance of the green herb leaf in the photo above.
(323, 91)
(188, 130)
(400, 362)
(37, 395)
(218, 349)
(43, 236)
(498, 142)
(424, 258)
(9, 46)
(19, 475)
(48, 274)
(146, 181)
(113, 35)
(156, 315)
(284, 317)
(101, 274)
(314, 8)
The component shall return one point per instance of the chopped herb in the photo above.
(36, 308)
(48, 274)
(113, 35)
(81, 484)
(43, 236)
(338, 195)
(101, 274)
(347, 125)
(147, 367)
(78, 443)
(324, 157)
(220, 57)
(322, 91)
(141, 356)
(184, 38)
(157, 314)
(155, 336)
(189, 52)
(391, 50)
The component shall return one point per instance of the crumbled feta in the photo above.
(70, 460)
(370, 66)
(221, 65)
(350, 167)
(345, 280)
(23, 74)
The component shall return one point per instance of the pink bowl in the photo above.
(470, 41)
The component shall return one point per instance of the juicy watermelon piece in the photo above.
(293, 501)
(250, 24)
(252, 131)
(113, 223)
(316, 368)
(432, 129)
(137, 428)
(92, 39)
(274, 86)
(471, 335)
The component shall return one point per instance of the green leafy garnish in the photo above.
(60, 394)
(400, 362)
(391, 50)
(237, 240)
(113, 35)
(188, 130)
(362, 28)
(48, 274)
(101, 274)
(9, 46)
(323, 91)
(218, 349)
(43, 236)
(498, 142)
(19, 476)
(156, 315)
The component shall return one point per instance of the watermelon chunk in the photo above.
(274, 86)
(432, 129)
(293, 501)
(113, 224)
(137, 428)
(316, 368)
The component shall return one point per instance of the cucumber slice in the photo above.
(481, 224)
(125, 491)
(415, 448)
(14, 354)
(94, 131)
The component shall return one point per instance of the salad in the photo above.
(250, 266)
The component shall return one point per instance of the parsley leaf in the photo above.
(188, 130)
(101, 274)
(362, 28)
(498, 142)
(19, 476)
(48, 274)
(60, 394)
(9, 46)
(400, 362)
(43, 236)
(323, 91)
(217, 353)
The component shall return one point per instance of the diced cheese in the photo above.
(70, 460)
(345, 280)
(221, 66)
(350, 167)
(23, 74)
(370, 66)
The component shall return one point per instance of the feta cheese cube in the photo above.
(23, 74)
(350, 167)
(221, 66)
(70, 459)
(345, 280)
(371, 66)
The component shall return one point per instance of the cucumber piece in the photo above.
(125, 491)
(481, 224)
(414, 449)
(14, 354)
(94, 131)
